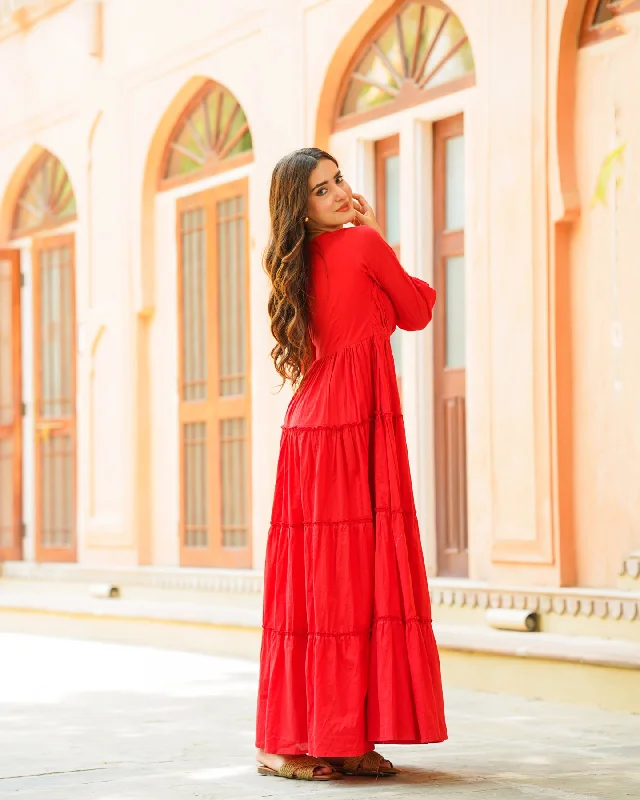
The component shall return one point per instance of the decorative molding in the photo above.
(631, 566)
(606, 604)
(603, 604)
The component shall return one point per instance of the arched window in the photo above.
(419, 53)
(211, 135)
(46, 200)
(601, 19)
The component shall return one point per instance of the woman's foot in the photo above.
(275, 761)
(368, 764)
(339, 762)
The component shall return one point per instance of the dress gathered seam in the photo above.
(343, 634)
(361, 423)
(350, 346)
(352, 521)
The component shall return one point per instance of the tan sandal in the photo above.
(302, 768)
(369, 764)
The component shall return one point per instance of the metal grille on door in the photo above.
(55, 382)
(214, 382)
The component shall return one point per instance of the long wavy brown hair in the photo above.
(286, 262)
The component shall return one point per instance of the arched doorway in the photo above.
(207, 147)
(405, 61)
(40, 229)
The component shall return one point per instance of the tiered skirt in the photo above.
(348, 656)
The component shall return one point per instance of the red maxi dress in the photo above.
(348, 657)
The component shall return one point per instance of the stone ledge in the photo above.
(548, 646)
(191, 578)
(460, 638)
(609, 604)
(146, 611)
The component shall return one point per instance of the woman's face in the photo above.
(330, 203)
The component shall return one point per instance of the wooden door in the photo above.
(54, 339)
(449, 343)
(387, 208)
(10, 408)
(214, 378)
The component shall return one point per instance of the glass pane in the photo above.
(57, 490)
(454, 66)
(56, 333)
(433, 20)
(46, 198)
(227, 108)
(460, 63)
(233, 477)
(362, 96)
(213, 102)
(231, 292)
(6, 492)
(214, 122)
(195, 485)
(390, 46)
(454, 190)
(455, 315)
(603, 14)
(410, 18)
(392, 199)
(181, 164)
(244, 145)
(6, 342)
(194, 306)
(237, 123)
(418, 42)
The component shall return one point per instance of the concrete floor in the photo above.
(81, 720)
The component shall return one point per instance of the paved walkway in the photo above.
(81, 720)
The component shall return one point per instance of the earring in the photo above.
(306, 219)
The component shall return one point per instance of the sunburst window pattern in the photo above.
(214, 130)
(424, 46)
(47, 198)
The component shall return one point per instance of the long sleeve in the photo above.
(412, 298)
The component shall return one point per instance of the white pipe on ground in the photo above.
(513, 619)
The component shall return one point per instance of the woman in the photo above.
(348, 656)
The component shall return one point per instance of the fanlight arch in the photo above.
(419, 51)
(46, 199)
(211, 135)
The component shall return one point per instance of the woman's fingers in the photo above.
(364, 219)
(363, 203)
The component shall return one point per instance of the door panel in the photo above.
(449, 345)
(55, 393)
(10, 408)
(213, 302)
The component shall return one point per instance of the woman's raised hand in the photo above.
(364, 213)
